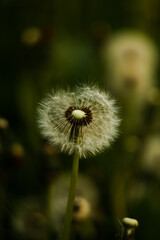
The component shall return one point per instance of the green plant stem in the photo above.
(72, 192)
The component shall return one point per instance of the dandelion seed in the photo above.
(84, 121)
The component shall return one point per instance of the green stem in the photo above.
(72, 192)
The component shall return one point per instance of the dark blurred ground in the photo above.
(52, 44)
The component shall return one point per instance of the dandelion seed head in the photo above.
(84, 120)
(85, 204)
(131, 64)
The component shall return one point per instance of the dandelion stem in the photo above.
(72, 191)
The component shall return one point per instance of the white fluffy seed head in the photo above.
(78, 114)
(61, 120)
(131, 64)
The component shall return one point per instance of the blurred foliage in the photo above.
(51, 44)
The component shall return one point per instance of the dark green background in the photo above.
(68, 53)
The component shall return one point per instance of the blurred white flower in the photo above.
(86, 200)
(131, 61)
(84, 120)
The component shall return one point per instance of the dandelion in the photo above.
(80, 122)
(132, 60)
(84, 121)
(131, 69)
(85, 203)
(130, 224)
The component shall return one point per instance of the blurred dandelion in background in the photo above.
(131, 62)
(131, 65)
(85, 204)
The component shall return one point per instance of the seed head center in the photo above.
(78, 114)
